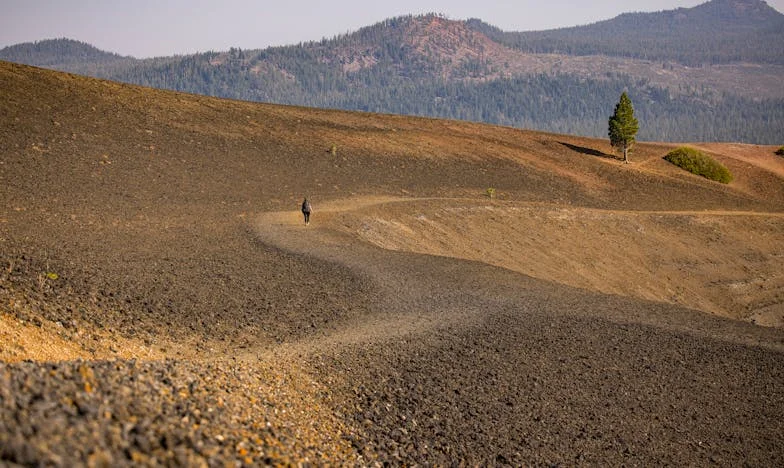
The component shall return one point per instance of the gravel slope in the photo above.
(154, 235)
(453, 361)
(486, 366)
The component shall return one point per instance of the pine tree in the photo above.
(623, 126)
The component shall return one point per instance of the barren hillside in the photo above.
(161, 300)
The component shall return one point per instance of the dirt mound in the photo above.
(155, 236)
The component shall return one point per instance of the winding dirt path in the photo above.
(416, 292)
(461, 360)
(405, 304)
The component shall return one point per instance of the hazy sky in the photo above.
(146, 28)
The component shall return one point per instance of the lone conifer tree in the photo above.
(623, 126)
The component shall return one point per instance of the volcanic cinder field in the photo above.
(163, 303)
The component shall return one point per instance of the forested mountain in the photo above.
(58, 53)
(717, 32)
(431, 66)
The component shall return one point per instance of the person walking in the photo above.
(306, 209)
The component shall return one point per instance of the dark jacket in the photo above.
(306, 208)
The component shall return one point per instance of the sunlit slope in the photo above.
(71, 138)
(113, 178)
(161, 297)
(722, 262)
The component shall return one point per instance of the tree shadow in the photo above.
(588, 151)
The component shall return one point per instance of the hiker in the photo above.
(306, 209)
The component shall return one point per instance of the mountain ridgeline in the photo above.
(564, 80)
(717, 32)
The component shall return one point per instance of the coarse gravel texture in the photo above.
(126, 413)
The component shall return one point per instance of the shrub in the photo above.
(490, 192)
(780, 151)
(699, 163)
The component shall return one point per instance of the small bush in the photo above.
(699, 163)
(490, 192)
(780, 151)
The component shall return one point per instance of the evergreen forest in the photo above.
(405, 66)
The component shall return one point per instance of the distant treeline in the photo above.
(558, 103)
(396, 77)
(717, 32)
